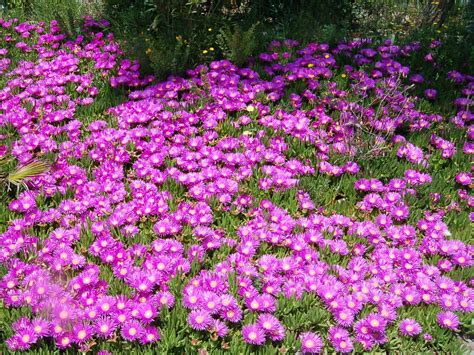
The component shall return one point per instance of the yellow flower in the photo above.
(250, 108)
(179, 38)
(148, 51)
(209, 29)
(204, 51)
(211, 49)
(343, 75)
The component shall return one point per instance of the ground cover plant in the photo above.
(316, 200)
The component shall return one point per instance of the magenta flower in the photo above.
(464, 178)
(199, 319)
(271, 326)
(448, 320)
(219, 328)
(339, 338)
(150, 335)
(132, 330)
(431, 94)
(311, 343)
(105, 326)
(409, 327)
(253, 334)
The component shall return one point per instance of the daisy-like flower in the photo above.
(25, 338)
(104, 326)
(409, 327)
(254, 304)
(146, 312)
(105, 304)
(64, 341)
(376, 322)
(228, 301)
(82, 333)
(166, 299)
(340, 340)
(21, 323)
(431, 94)
(41, 327)
(232, 314)
(268, 323)
(400, 212)
(219, 328)
(344, 317)
(132, 330)
(150, 335)
(464, 178)
(311, 343)
(211, 302)
(199, 319)
(448, 320)
(192, 297)
(253, 334)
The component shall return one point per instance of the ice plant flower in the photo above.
(409, 327)
(311, 343)
(448, 320)
(253, 334)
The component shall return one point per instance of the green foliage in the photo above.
(165, 57)
(172, 36)
(236, 44)
(384, 18)
(310, 20)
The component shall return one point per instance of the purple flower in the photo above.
(132, 330)
(271, 326)
(22, 340)
(311, 343)
(253, 334)
(448, 320)
(409, 327)
(339, 338)
(150, 335)
(105, 326)
(431, 94)
(219, 328)
(83, 333)
(417, 79)
(464, 178)
(199, 319)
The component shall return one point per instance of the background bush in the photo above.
(170, 36)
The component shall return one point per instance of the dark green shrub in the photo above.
(236, 44)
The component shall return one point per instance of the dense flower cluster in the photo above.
(209, 135)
